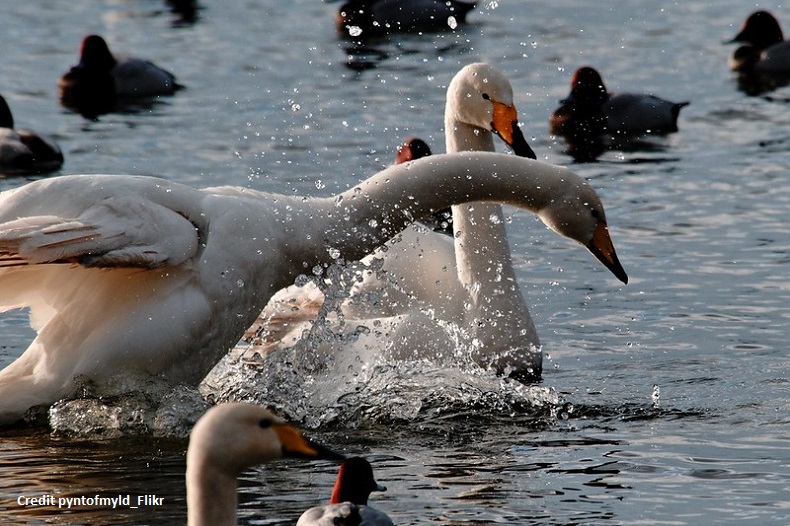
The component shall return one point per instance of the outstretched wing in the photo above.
(117, 231)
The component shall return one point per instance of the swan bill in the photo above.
(602, 248)
(295, 445)
(505, 124)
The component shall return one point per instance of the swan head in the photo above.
(233, 437)
(580, 216)
(481, 96)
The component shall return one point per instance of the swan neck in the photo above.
(462, 137)
(357, 221)
(212, 497)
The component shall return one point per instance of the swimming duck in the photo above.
(415, 148)
(132, 277)
(349, 501)
(765, 51)
(366, 18)
(590, 116)
(467, 281)
(228, 439)
(100, 79)
(24, 151)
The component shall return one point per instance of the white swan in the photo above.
(130, 276)
(349, 501)
(471, 284)
(228, 439)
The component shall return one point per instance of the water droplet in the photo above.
(373, 223)
(354, 31)
(295, 106)
(320, 184)
(452, 22)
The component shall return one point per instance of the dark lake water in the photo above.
(673, 392)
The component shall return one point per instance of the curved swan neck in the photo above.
(358, 220)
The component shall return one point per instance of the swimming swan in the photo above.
(228, 439)
(128, 276)
(349, 501)
(468, 281)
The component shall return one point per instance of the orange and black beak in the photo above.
(505, 124)
(602, 248)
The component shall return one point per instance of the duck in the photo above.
(132, 279)
(764, 54)
(466, 280)
(228, 439)
(100, 80)
(349, 502)
(24, 151)
(369, 18)
(590, 117)
(415, 148)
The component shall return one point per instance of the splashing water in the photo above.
(352, 373)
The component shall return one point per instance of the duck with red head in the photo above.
(763, 58)
(591, 118)
(100, 80)
(349, 501)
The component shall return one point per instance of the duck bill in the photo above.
(295, 445)
(505, 124)
(602, 248)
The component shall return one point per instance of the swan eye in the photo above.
(265, 423)
(486, 97)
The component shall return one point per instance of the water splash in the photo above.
(354, 372)
(166, 412)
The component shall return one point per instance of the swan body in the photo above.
(364, 18)
(129, 276)
(591, 110)
(24, 151)
(100, 79)
(228, 439)
(349, 501)
(424, 285)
